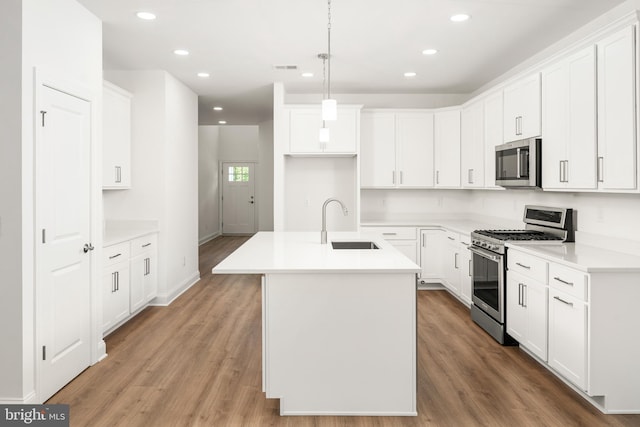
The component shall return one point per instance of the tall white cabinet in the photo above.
(569, 122)
(447, 148)
(116, 137)
(493, 135)
(396, 149)
(472, 150)
(617, 155)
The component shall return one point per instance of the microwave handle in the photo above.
(518, 163)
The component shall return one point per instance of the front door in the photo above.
(238, 198)
(63, 209)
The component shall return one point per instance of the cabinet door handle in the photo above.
(389, 234)
(450, 238)
(563, 301)
(455, 260)
(147, 244)
(401, 178)
(566, 171)
(437, 177)
(470, 176)
(118, 174)
(523, 266)
(600, 169)
(524, 295)
(520, 294)
(114, 256)
(469, 268)
(563, 281)
(560, 171)
(423, 241)
(113, 282)
(393, 177)
(117, 280)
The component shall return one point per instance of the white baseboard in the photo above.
(29, 399)
(165, 299)
(208, 238)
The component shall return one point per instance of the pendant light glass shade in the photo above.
(329, 109)
(323, 136)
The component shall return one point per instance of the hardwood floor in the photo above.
(197, 363)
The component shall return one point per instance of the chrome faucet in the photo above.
(323, 233)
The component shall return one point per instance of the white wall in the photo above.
(208, 183)
(11, 385)
(239, 143)
(265, 182)
(43, 35)
(164, 158)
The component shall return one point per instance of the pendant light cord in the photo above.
(329, 50)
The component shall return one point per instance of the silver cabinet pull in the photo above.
(563, 281)
(118, 174)
(469, 268)
(393, 177)
(117, 280)
(437, 177)
(401, 177)
(146, 244)
(520, 294)
(563, 301)
(455, 260)
(518, 163)
(87, 247)
(566, 171)
(560, 171)
(389, 234)
(113, 281)
(524, 295)
(450, 238)
(470, 176)
(523, 266)
(600, 169)
(114, 256)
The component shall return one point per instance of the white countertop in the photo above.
(301, 252)
(120, 231)
(582, 257)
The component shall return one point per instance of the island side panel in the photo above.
(341, 344)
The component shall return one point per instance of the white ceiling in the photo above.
(373, 43)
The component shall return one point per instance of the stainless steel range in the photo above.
(489, 255)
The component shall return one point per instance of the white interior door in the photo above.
(238, 198)
(63, 206)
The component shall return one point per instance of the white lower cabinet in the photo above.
(115, 285)
(130, 279)
(452, 263)
(466, 270)
(527, 313)
(431, 244)
(568, 337)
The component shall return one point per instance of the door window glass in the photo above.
(238, 174)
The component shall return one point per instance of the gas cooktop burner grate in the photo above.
(505, 235)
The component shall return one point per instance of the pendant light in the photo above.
(329, 106)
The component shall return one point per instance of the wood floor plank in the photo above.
(197, 362)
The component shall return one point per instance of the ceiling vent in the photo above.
(285, 67)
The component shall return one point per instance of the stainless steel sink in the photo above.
(354, 245)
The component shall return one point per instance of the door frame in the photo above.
(256, 189)
(54, 80)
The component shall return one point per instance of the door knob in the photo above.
(88, 247)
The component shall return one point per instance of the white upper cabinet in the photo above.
(447, 148)
(304, 131)
(472, 146)
(116, 137)
(522, 109)
(617, 155)
(493, 135)
(569, 146)
(396, 149)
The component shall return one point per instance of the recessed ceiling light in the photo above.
(203, 75)
(217, 108)
(147, 16)
(461, 17)
(410, 74)
(181, 52)
(222, 122)
(307, 74)
(430, 51)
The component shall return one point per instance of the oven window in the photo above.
(507, 164)
(486, 281)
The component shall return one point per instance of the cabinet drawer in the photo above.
(527, 265)
(394, 233)
(144, 244)
(568, 280)
(115, 253)
(451, 237)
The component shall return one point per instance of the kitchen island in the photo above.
(338, 325)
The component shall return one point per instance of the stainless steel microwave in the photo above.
(518, 164)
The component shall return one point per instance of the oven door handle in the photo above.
(485, 254)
